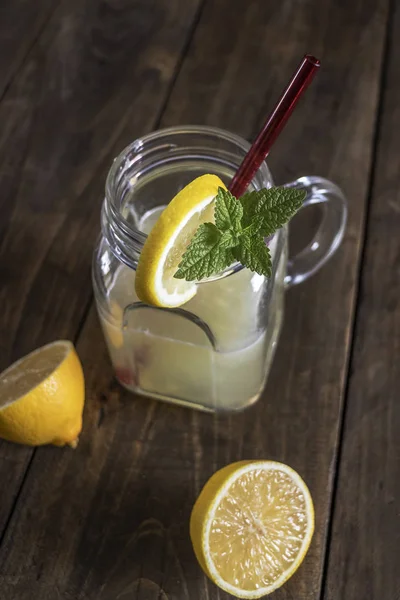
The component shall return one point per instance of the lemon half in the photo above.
(167, 241)
(42, 397)
(251, 527)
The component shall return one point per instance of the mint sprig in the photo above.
(209, 252)
(228, 212)
(254, 254)
(239, 231)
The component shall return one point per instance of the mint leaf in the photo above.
(266, 211)
(239, 231)
(254, 254)
(249, 204)
(209, 252)
(228, 211)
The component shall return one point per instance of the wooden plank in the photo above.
(96, 79)
(365, 541)
(110, 520)
(21, 22)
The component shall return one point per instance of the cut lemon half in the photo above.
(251, 527)
(42, 397)
(167, 241)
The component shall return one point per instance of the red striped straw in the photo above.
(274, 124)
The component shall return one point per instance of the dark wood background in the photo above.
(79, 79)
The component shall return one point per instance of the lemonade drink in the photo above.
(213, 350)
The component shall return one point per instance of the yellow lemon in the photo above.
(42, 397)
(167, 241)
(251, 527)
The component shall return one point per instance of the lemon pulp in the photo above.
(251, 527)
(162, 252)
(42, 397)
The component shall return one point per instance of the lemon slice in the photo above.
(42, 397)
(167, 241)
(251, 527)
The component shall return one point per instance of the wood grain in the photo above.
(96, 79)
(365, 542)
(21, 22)
(110, 520)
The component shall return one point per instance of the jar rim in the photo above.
(132, 236)
(138, 145)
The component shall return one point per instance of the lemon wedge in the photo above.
(167, 241)
(42, 397)
(251, 527)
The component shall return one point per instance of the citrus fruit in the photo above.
(167, 241)
(42, 397)
(251, 527)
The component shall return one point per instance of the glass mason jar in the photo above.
(213, 353)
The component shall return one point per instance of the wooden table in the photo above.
(78, 81)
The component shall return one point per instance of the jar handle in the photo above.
(328, 236)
